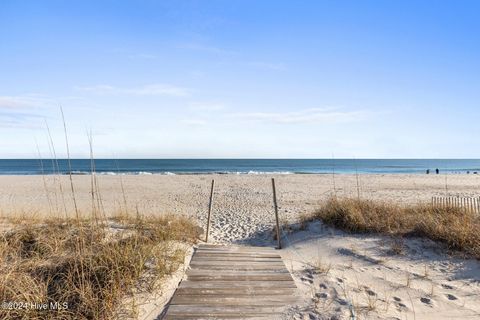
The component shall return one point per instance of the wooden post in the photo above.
(209, 210)
(276, 213)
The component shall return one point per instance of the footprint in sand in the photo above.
(427, 301)
(304, 279)
(311, 316)
(309, 273)
(401, 306)
(446, 286)
(451, 297)
(370, 292)
(322, 295)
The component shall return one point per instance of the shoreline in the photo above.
(253, 173)
(237, 166)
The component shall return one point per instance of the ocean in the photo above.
(237, 166)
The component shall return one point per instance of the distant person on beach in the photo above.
(428, 171)
(437, 171)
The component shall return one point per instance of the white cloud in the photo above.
(157, 89)
(312, 115)
(22, 102)
(20, 120)
(21, 111)
(12, 102)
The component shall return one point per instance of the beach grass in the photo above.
(452, 226)
(83, 268)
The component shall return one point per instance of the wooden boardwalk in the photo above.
(233, 282)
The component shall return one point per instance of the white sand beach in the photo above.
(425, 282)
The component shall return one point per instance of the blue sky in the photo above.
(221, 79)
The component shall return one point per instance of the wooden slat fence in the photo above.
(470, 204)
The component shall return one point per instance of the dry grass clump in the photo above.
(82, 269)
(455, 227)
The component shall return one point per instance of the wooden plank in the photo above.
(237, 284)
(229, 262)
(233, 259)
(213, 245)
(196, 272)
(244, 267)
(210, 253)
(206, 250)
(254, 249)
(238, 254)
(247, 255)
(215, 300)
(228, 316)
(236, 262)
(234, 248)
(248, 291)
(186, 310)
(203, 263)
(239, 277)
(232, 254)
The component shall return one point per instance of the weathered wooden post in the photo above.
(209, 210)
(276, 213)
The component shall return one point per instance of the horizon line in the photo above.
(174, 158)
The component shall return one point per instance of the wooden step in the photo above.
(233, 282)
